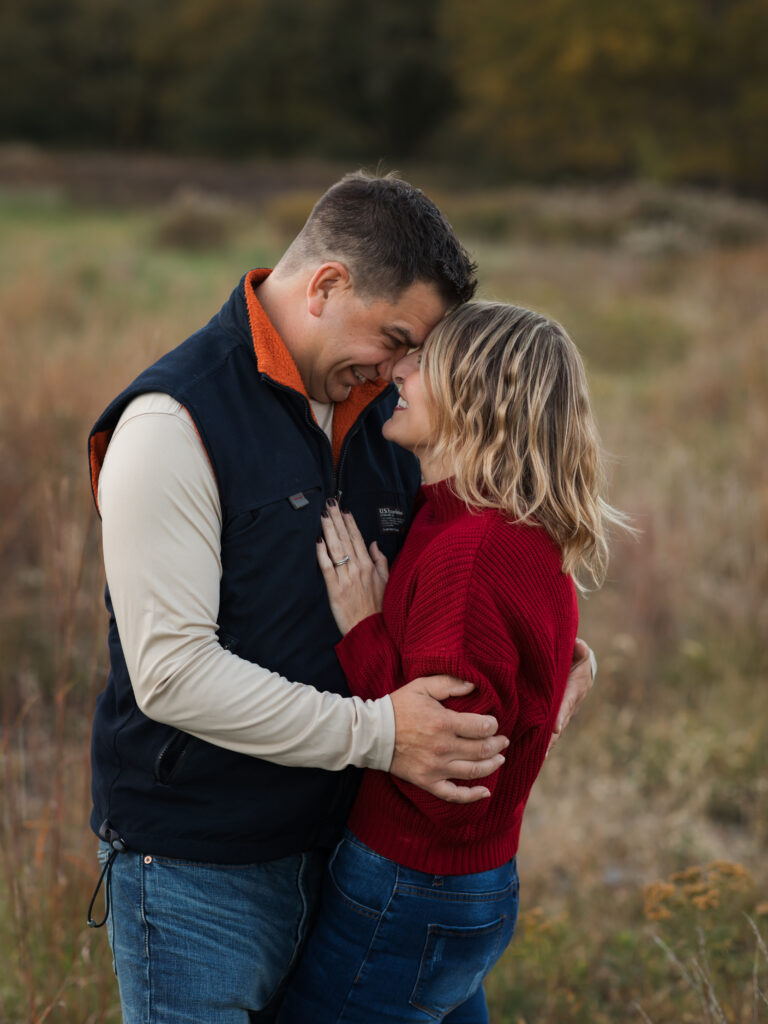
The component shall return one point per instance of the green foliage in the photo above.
(654, 89)
(701, 958)
(195, 221)
(288, 212)
(709, 942)
(674, 90)
(234, 76)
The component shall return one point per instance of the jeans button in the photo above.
(147, 860)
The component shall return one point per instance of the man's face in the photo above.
(363, 340)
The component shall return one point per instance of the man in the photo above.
(218, 781)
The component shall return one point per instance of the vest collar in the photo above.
(277, 363)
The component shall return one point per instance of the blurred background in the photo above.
(606, 164)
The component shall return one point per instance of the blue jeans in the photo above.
(207, 942)
(392, 945)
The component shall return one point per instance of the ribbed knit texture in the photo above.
(480, 598)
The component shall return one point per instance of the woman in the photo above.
(421, 896)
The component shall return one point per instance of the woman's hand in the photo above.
(355, 579)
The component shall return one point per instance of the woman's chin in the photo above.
(390, 432)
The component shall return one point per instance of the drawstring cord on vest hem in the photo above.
(119, 845)
(107, 870)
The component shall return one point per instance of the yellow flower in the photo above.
(727, 867)
(696, 887)
(707, 900)
(658, 914)
(682, 876)
(656, 895)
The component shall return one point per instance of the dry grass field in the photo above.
(643, 861)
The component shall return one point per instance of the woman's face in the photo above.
(410, 425)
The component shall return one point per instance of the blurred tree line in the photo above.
(672, 89)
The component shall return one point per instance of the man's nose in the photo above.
(370, 373)
(386, 369)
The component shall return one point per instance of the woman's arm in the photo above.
(465, 616)
(442, 616)
(355, 580)
(370, 660)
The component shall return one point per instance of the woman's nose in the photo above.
(405, 365)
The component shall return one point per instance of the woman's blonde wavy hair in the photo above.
(513, 421)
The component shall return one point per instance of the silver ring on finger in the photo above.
(342, 561)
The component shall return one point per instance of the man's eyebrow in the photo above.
(403, 333)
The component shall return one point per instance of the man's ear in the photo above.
(328, 279)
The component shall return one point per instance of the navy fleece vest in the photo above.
(166, 792)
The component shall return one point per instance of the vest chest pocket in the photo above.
(283, 513)
(270, 579)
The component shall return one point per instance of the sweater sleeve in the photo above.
(370, 659)
(495, 693)
(457, 623)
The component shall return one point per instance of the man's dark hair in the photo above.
(389, 235)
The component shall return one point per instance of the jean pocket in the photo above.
(362, 879)
(454, 963)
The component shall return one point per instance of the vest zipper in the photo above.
(328, 446)
(336, 475)
(348, 438)
(342, 457)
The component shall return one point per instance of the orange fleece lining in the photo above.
(276, 361)
(273, 357)
(98, 449)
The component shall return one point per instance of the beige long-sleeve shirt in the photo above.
(161, 521)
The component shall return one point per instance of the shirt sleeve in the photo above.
(463, 634)
(161, 524)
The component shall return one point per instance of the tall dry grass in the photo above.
(86, 300)
(665, 767)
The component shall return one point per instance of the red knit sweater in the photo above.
(477, 597)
